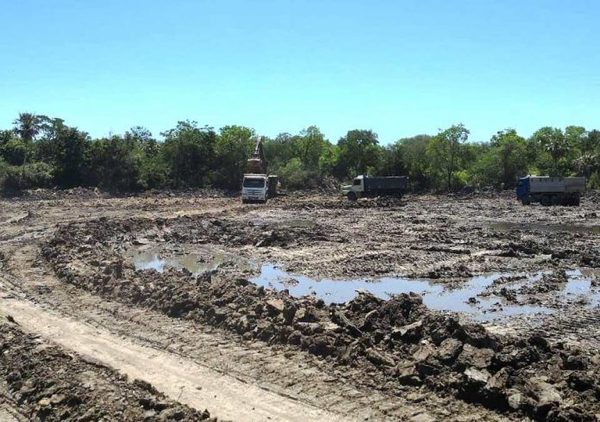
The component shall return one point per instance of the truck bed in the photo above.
(385, 183)
(556, 184)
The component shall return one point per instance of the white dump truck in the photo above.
(368, 186)
(551, 190)
(255, 188)
(258, 185)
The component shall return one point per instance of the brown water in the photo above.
(466, 299)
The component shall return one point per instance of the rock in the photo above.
(422, 417)
(340, 318)
(429, 367)
(377, 358)
(478, 358)
(295, 338)
(514, 400)
(575, 362)
(289, 312)
(309, 328)
(300, 313)
(171, 414)
(540, 342)
(517, 358)
(370, 317)
(546, 395)
(275, 305)
(331, 326)
(449, 350)
(498, 381)
(57, 398)
(408, 374)
(475, 377)
(581, 381)
(475, 335)
(423, 352)
(320, 346)
(409, 332)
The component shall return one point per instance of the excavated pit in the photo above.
(216, 271)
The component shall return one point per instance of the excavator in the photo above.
(258, 185)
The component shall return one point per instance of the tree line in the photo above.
(43, 152)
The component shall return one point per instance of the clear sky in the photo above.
(398, 67)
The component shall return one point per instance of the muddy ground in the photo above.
(309, 307)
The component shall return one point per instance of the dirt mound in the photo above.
(45, 383)
(394, 341)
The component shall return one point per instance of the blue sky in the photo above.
(398, 67)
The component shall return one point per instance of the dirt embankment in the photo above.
(43, 382)
(393, 341)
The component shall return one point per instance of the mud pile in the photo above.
(45, 383)
(396, 341)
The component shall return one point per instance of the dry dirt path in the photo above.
(197, 365)
(177, 377)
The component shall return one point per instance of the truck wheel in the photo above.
(352, 196)
(576, 200)
(545, 200)
(244, 201)
(525, 201)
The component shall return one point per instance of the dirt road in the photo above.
(200, 297)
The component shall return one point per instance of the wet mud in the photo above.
(428, 270)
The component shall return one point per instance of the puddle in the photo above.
(580, 287)
(570, 228)
(435, 296)
(470, 298)
(196, 263)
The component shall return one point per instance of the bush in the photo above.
(29, 176)
(594, 181)
(15, 151)
(294, 176)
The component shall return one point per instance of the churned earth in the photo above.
(306, 308)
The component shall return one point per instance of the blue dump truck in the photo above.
(550, 190)
(363, 186)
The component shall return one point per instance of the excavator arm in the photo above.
(257, 164)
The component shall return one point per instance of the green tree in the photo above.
(329, 159)
(14, 150)
(148, 156)
(510, 151)
(310, 145)
(189, 153)
(359, 153)
(414, 153)
(113, 165)
(233, 148)
(586, 158)
(28, 125)
(557, 145)
(281, 150)
(71, 157)
(444, 152)
(392, 161)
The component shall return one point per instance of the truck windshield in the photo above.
(254, 183)
(356, 182)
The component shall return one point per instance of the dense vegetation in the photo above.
(45, 152)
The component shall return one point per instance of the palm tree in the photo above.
(27, 126)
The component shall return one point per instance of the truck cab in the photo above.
(523, 189)
(356, 189)
(255, 188)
